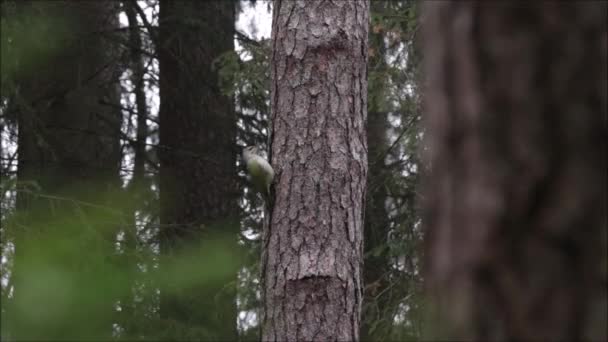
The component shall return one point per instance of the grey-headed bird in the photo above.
(260, 171)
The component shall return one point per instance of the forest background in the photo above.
(122, 220)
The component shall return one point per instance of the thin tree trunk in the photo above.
(313, 246)
(516, 199)
(138, 69)
(137, 184)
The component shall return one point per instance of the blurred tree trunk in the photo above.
(376, 316)
(198, 180)
(313, 247)
(516, 199)
(69, 146)
(138, 187)
(138, 81)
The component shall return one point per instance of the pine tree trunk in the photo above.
(198, 180)
(516, 206)
(313, 246)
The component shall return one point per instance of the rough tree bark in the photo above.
(313, 246)
(516, 211)
(198, 180)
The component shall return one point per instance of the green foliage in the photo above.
(393, 305)
(245, 75)
(72, 268)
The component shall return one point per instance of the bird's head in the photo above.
(251, 151)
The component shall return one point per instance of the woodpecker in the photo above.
(260, 171)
